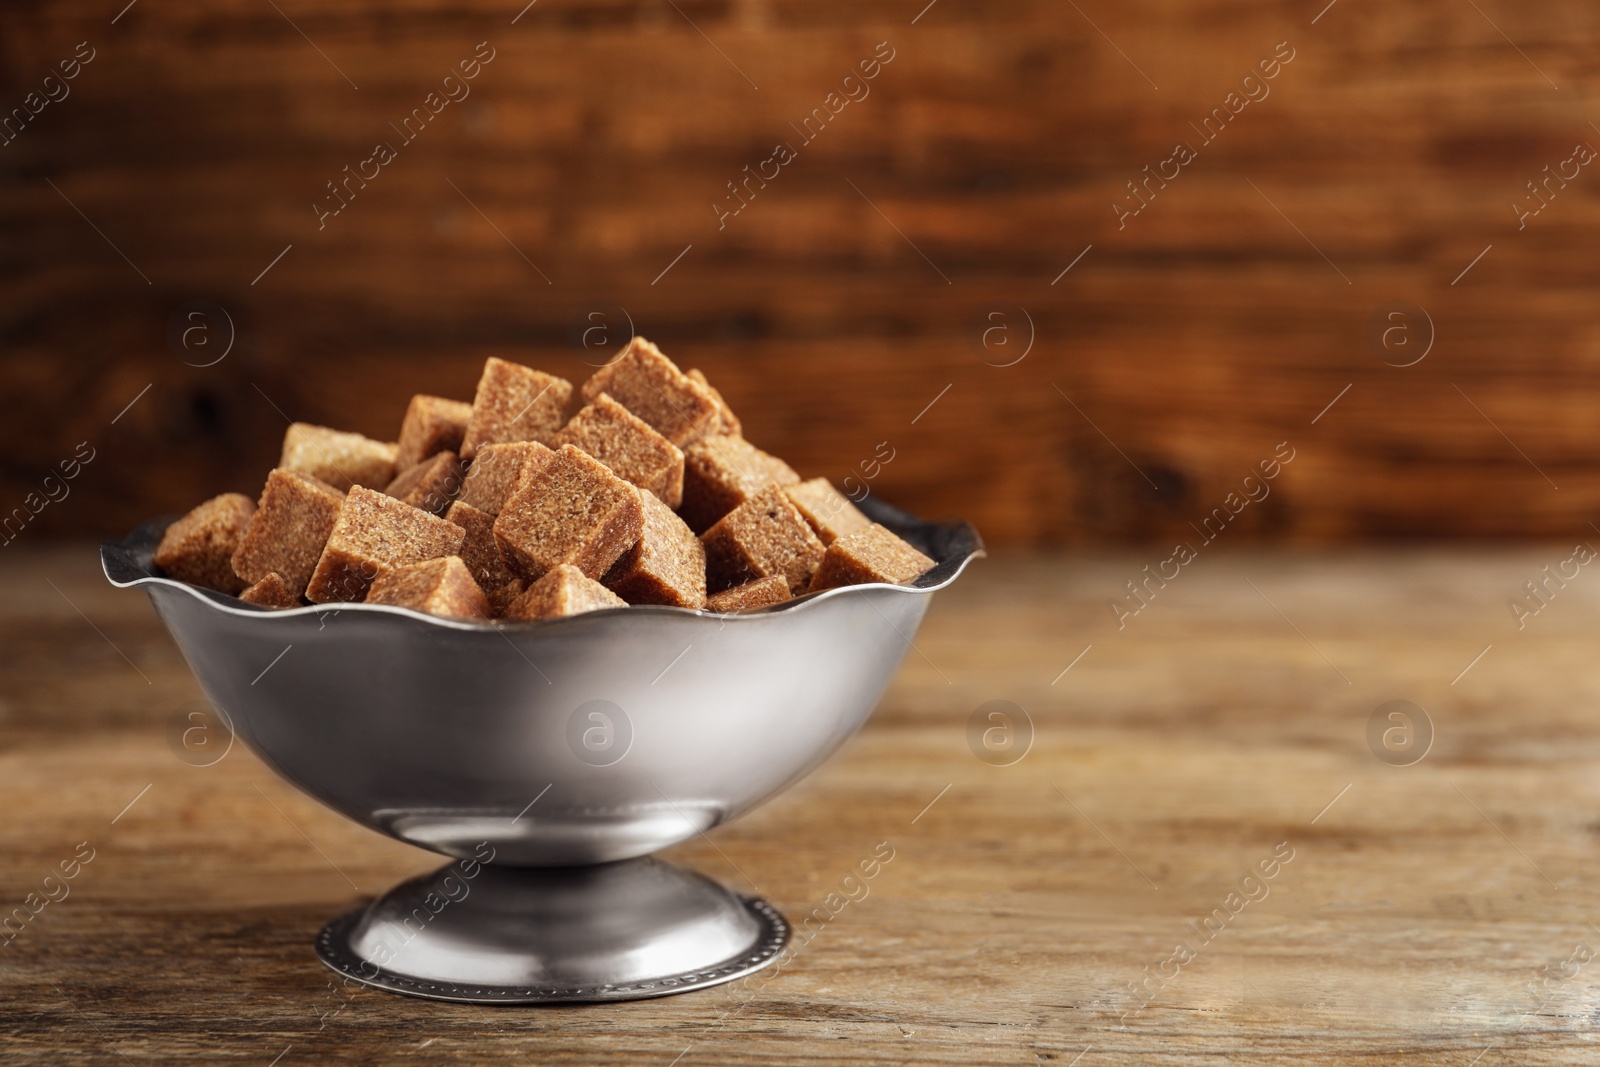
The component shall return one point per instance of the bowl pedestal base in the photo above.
(532, 935)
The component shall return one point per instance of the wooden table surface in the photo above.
(1047, 911)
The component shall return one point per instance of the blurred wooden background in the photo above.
(848, 295)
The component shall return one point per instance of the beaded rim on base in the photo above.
(333, 948)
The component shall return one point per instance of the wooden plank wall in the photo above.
(848, 293)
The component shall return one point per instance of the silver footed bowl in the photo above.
(549, 758)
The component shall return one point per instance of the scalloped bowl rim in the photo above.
(974, 549)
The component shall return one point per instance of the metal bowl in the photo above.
(566, 745)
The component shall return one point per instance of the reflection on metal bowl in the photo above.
(559, 743)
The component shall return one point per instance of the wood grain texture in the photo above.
(1427, 915)
(1190, 339)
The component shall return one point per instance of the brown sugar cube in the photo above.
(432, 424)
(270, 592)
(431, 484)
(760, 593)
(199, 547)
(872, 554)
(441, 586)
(338, 458)
(667, 566)
(514, 403)
(479, 551)
(727, 421)
(563, 590)
(572, 509)
(651, 386)
(764, 536)
(501, 599)
(722, 471)
(293, 520)
(495, 471)
(375, 533)
(624, 442)
(830, 514)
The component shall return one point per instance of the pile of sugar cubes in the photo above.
(504, 508)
